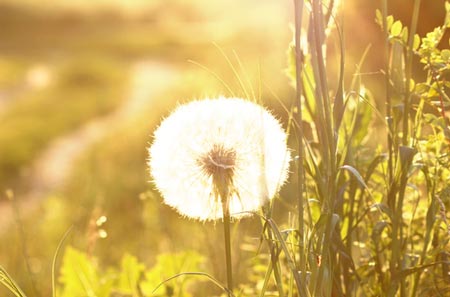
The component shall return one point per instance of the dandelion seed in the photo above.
(215, 149)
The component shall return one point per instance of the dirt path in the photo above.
(51, 169)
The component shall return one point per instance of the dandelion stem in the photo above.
(222, 179)
(226, 229)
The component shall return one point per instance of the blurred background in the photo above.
(84, 83)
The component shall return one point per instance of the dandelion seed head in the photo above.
(218, 160)
(230, 142)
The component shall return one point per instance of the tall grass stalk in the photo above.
(391, 182)
(23, 240)
(388, 103)
(328, 221)
(55, 258)
(298, 6)
(408, 71)
(406, 124)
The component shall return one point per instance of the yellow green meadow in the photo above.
(224, 148)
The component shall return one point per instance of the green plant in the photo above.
(366, 218)
(359, 231)
(80, 275)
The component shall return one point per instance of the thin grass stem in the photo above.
(23, 240)
(229, 89)
(275, 264)
(319, 35)
(8, 282)
(298, 5)
(388, 93)
(209, 277)
(235, 72)
(245, 73)
(408, 70)
(55, 258)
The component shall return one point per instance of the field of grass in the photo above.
(365, 211)
(88, 62)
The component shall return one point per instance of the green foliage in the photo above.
(130, 275)
(372, 226)
(169, 265)
(82, 276)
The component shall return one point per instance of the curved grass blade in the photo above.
(235, 72)
(356, 174)
(209, 277)
(55, 257)
(8, 282)
(216, 76)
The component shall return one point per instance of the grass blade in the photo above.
(55, 257)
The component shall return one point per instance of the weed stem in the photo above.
(226, 229)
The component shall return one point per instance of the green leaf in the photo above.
(377, 230)
(407, 154)
(412, 85)
(389, 21)
(416, 42)
(373, 165)
(431, 216)
(379, 18)
(363, 119)
(130, 274)
(356, 174)
(445, 54)
(80, 277)
(309, 89)
(403, 165)
(168, 265)
(382, 207)
(396, 28)
(290, 70)
(315, 207)
(405, 35)
(422, 88)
